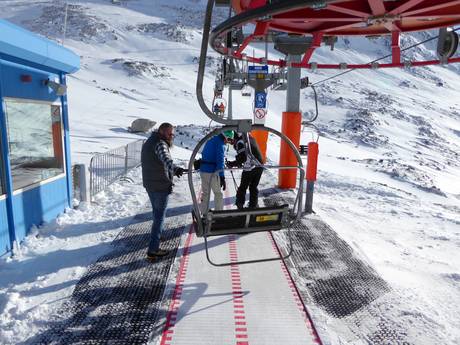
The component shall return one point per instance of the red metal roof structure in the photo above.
(328, 18)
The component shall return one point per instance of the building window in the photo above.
(35, 141)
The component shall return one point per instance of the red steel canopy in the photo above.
(361, 17)
(323, 18)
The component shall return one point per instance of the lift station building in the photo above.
(35, 168)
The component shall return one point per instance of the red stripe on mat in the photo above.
(166, 336)
(238, 296)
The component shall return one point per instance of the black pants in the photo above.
(249, 179)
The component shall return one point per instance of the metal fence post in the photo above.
(80, 185)
(126, 159)
(91, 180)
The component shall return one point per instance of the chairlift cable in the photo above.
(384, 57)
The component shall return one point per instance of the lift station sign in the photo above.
(260, 96)
(260, 107)
(260, 99)
(257, 72)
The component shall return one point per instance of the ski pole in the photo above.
(234, 181)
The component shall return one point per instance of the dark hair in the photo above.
(164, 125)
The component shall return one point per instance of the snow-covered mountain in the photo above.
(389, 167)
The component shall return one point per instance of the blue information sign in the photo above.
(258, 69)
(260, 99)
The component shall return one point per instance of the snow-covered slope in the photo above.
(389, 168)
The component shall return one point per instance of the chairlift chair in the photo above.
(219, 104)
(308, 127)
(280, 75)
(246, 91)
(303, 149)
(233, 221)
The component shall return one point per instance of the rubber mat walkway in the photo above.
(236, 304)
(119, 298)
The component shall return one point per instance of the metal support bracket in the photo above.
(244, 126)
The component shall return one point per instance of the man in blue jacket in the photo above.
(212, 160)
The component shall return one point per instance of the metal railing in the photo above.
(105, 168)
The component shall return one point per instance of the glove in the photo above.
(231, 164)
(197, 164)
(223, 185)
(179, 172)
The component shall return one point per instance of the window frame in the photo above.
(2, 168)
(57, 103)
(2, 174)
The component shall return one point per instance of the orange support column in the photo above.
(291, 126)
(261, 138)
(312, 161)
(312, 168)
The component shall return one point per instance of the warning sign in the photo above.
(259, 116)
(260, 113)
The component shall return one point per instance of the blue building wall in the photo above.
(26, 61)
(39, 204)
(4, 233)
(35, 89)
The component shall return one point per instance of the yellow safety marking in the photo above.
(266, 218)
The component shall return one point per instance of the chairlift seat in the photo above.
(279, 87)
(236, 85)
(303, 150)
(225, 222)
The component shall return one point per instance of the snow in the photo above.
(388, 179)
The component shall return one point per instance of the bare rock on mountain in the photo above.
(81, 25)
(362, 126)
(193, 15)
(211, 61)
(170, 32)
(141, 125)
(141, 68)
(404, 172)
(407, 84)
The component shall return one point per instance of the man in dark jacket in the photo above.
(157, 177)
(251, 174)
(212, 160)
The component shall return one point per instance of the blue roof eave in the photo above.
(23, 45)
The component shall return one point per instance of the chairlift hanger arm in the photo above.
(316, 106)
(201, 68)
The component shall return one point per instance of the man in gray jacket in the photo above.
(158, 170)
